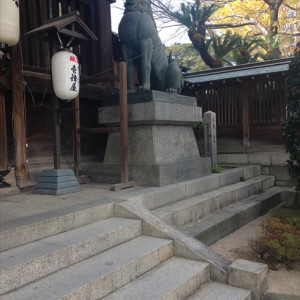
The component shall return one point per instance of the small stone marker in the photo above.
(210, 136)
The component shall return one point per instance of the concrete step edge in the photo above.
(220, 291)
(177, 278)
(191, 209)
(152, 198)
(217, 225)
(101, 274)
(26, 230)
(30, 262)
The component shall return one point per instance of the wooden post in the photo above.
(18, 118)
(123, 131)
(123, 122)
(56, 131)
(3, 134)
(104, 38)
(77, 159)
(245, 96)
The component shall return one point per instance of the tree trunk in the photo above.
(199, 44)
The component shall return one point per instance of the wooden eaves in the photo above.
(240, 71)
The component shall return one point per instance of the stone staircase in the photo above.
(107, 259)
(128, 247)
(222, 204)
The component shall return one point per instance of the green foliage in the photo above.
(187, 56)
(246, 49)
(280, 241)
(222, 45)
(242, 178)
(288, 216)
(291, 126)
(193, 16)
(216, 169)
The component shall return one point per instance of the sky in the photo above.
(164, 33)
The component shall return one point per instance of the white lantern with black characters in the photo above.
(65, 75)
(9, 22)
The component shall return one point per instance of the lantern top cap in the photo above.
(69, 25)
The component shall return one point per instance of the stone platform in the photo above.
(162, 145)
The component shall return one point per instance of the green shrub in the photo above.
(216, 169)
(242, 178)
(279, 242)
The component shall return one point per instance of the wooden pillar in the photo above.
(3, 134)
(104, 37)
(245, 96)
(56, 131)
(19, 124)
(77, 159)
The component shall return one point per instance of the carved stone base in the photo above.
(162, 146)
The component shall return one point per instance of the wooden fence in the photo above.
(248, 109)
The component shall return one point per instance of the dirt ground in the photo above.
(235, 245)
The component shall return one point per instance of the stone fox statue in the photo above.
(141, 44)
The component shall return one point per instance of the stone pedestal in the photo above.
(56, 182)
(162, 146)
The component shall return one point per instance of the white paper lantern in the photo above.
(9, 22)
(65, 75)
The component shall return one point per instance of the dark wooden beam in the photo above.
(5, 80)
(19, 123)
(3, 134)
(104, 38)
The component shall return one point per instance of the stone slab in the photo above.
(249, 275)
(101, 274)
(177, 278)
(154, 144)
(157, 174)
(51, 254)
(219, 291)
(291, 197)
(150, 97)
(152, 113)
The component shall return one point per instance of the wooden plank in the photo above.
(3, 134)
(120, 186)
(19, 124)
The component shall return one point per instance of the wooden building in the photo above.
(249, 101)
(26, 127)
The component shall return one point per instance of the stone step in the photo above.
(176, 278)
(30, 262)
(33, 228)
(219, 224)
(191, 209)
(154, 197)
(219, 291)
(101, 274)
